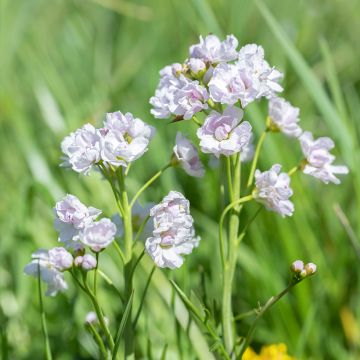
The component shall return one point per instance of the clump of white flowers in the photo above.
(211, 89)
(173, 234)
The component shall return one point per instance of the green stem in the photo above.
(43, 319)
(128, 240)
(119, 251)
(260, 313)
(148, 183)
(99, 313)
(98, 340)
(230, 263)
(229, 178)
(256, 157)
(196, 121)
(96, 272)
(141, 229)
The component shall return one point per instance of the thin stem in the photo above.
(245, 314)
(109, 281)
(43, 318)
(141, 229)
(98, 340)
(99, 313)
(222, 218)
(229, 178)
(119, 251)
(148, 183)
(260, 313)
(96, 272)
(256, 157)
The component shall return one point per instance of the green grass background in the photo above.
(67, 62)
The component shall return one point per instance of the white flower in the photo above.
(170, 81)
(89, 262)
(297, 266)
(60, 258)
(49, 272)
(81, 149)
(190, 99)
(273, 190)
(223, 133)
(188, 157)
(212, 50)
(265, 79)
(124, 138)
(319, 160)
(98, 235)
(71, 215)
(91, 318)
(230, 84)
(173, 234)
(247, 152)
(284, 116)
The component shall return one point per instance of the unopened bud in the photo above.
(310, 269)
(89, 262)
(297, 266)
(78, 261)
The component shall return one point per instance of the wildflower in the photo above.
(284, 117)
(301, 271)
(87, 262)
(229, 84)
(264, 78)
(273, 190)
(190, 99)
(310, 269)
(186, 154)
(164, 100)
(297, 266)
(268, 352)
(91, 318)
(124, 138)
(98, 235)
(223, 134)
(212, 50)
(49, 272)
(60, 258)
(81, 149)
(319, 160)
(173, 234)
(71, 215)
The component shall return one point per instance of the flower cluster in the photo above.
(77, 229)
(301, 271)
(268, 352)
(122, 140)
(173, 234)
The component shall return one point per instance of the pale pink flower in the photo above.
(272, 188)
(223, 134)
(188, 157)
(319, 160)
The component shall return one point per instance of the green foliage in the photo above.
(67, 62)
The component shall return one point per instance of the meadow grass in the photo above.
(67, 62)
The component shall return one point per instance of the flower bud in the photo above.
(297, 266)
(197, 67)
(78, 261)
(310, 269)
(89, 262)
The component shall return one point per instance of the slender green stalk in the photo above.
(229, 178)
(128, 240)
(98, 340)
(96, 272)
(260, 313)
(48, 355)
(98, 311)
(256, 157)
(141, 229)
(119, 251)
(230, 263)
(148, 183)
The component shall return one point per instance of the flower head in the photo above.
(173, 234)
(60, 258)
(273, 190)
(98, 235)
(319, 160)
(210, 49)
(49, 271)
(81, 149)
(124, 138)
(284, 117)
(223, 133)
(190, 99)
(186, 154)
(71, 215)
(197, 67)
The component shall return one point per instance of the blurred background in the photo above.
(67, 62)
